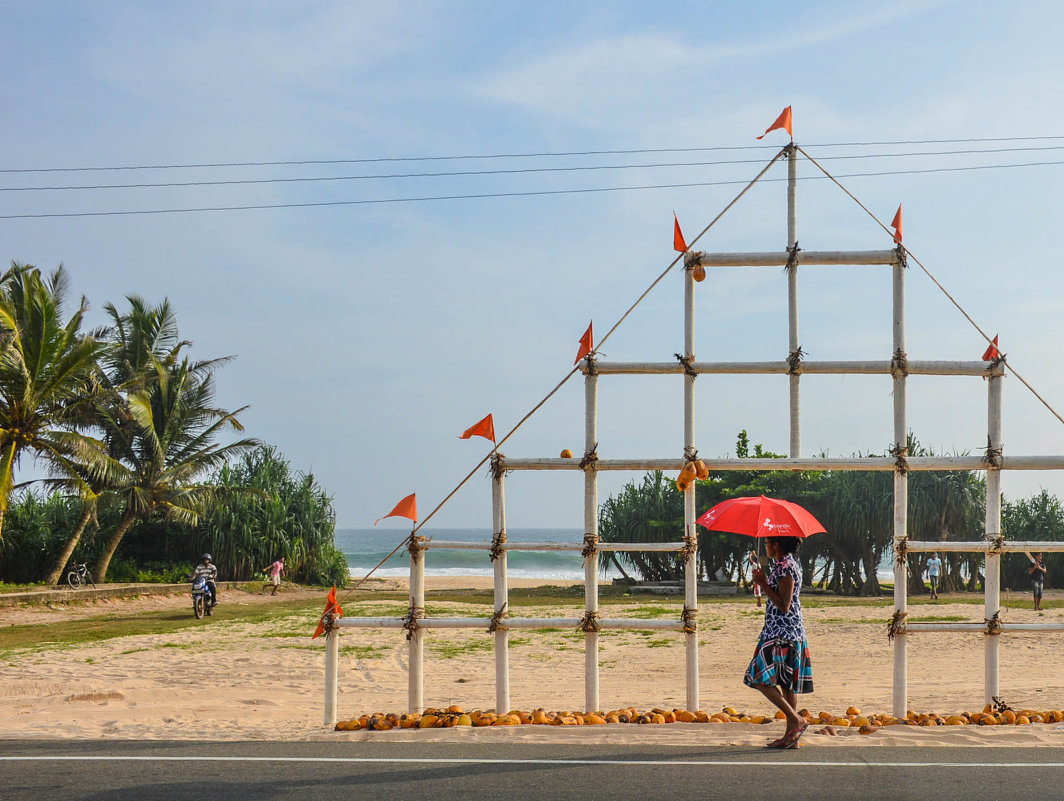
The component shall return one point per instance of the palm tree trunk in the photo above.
(112, 545)
(68, 549)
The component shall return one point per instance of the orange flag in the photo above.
(679, 244)
(330, 606)
(782, 121)
(585, 343)
(485, 428)
(991, 352)
(896, 225)
(407, 507)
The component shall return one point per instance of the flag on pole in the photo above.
(782, 121)
(484, 428)
(679, 244)
(407, 507)
(330, 606)
(585, 343)
(896, 225)
(992, 352)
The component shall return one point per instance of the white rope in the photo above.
(937, 283)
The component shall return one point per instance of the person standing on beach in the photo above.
(934, 569)
(275, 571)
(781, 667)
(1038, 577)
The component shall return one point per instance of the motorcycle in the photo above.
(201, 597)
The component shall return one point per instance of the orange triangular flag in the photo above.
(330, 606)
(782, 121)
(485, 428)
(991, 352)
(407, 507)
(896, 225)
(585, 343)
(679, 244)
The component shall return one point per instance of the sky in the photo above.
(367, 335)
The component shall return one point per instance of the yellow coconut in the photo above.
(701, 470)
(688, 474)
(698, 272)
(683, 716)
(840, 722)
(868, 728)
(702, 716)
(853, 711)
(566, 454)
(1023, 720)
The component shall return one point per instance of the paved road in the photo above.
(154, 771)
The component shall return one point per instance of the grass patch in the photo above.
(940, 619)
(652, 612)
(660, 642)
(451, 650)
(133, 651)
(179, 645)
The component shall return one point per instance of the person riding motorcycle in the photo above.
(209, 572)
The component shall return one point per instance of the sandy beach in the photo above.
(262, 679)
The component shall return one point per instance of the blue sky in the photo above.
(368, 336)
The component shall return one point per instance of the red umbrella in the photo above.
(761, 517)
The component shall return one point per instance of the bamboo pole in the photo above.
(867, 367)
(332, 661)
(845, 258)
(502, 595)
(416, 667)
(591, 605)
(691, 562)
(901, 499)
(992, 573)
(864, 463)
(793, 379)
(553, 546)
(981, 627)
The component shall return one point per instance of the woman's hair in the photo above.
(785, 544)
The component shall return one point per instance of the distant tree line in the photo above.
(126, 426)
(856, 508)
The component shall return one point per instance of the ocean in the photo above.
(365, 547)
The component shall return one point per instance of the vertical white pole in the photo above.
(901, 502)
(992, 576)
(416, 686)
(502, 597)
(691, 563)
(792, 302)
(591, 604)
(332, 660)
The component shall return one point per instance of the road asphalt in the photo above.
(160, 771)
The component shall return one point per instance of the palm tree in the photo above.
(47, 370)
(166, 444)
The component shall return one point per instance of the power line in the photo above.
(546, 154)
(514, 171)
(491, 195)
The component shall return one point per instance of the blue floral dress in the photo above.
(782, 654)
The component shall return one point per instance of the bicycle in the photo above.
(78, 575)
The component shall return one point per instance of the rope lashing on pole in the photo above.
(498, 618)
(794, 361)
(899, 364)
(590, 458)
(413, 615)
(498, 545)
(992, 455)
(896, 625)
(690, 547)
(909, 255)
(901, 551)
(688, 364)
(792, 257)
(993, 624)
(590, 548)
(589, 622)
(689, 619)
(900, 454)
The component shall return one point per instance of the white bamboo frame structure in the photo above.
(898, 366)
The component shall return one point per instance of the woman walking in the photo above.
(781, 668)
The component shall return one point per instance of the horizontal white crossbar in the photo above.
(915, 627)
(866, 463)
(973, 368)
(622, 624)
(984, 546)
(448, 545)
(779, 258)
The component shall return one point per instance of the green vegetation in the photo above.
(126, 424)
(855, 507)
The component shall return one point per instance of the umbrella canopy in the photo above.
(761, 517)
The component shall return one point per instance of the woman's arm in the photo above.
(780, 598)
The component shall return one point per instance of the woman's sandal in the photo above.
(791, 738)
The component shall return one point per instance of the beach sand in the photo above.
(264, 680)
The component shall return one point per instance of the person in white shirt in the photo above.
(934, 570)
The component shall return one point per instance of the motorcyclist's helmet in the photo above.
(206, 557)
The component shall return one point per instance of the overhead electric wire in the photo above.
(546, 154)
(493, 195)
(511, 171)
